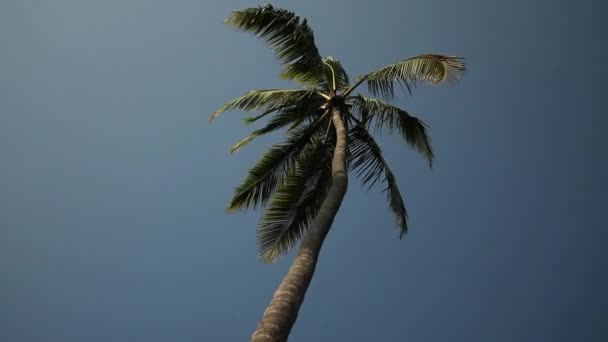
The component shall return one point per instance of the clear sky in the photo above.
(113, 185)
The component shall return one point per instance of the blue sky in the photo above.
(113, 185)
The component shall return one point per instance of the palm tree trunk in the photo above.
(281, 313)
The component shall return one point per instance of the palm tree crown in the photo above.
(292, 178)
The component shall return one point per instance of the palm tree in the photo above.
(301, 182)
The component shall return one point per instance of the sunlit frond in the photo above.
(424, 68)
(264, 176)
(268, 100)
(291, 39)
(295, 203)
(369, 165)
(386, 116)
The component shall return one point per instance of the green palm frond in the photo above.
(248, 120)
(296, 201)
(293, 115)
(268, 100)
(291, 39)
(268, 172)
(370, 166)
(424, 68)
(413, 130)
(336, 77)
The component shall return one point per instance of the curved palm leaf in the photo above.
(268, 100)
(248, 120)
(413, 130)
(293, 115)
(369, 165)
(425, 68)
(264, 176)
(291, 39)
(295, 202)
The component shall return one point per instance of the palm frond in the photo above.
(291, 39)
(295, 203)
(248, 120)
(268, 172)
(424, 68)
(370, 166)
(268, 100)
(336, 77)
(413, 130)
(293, 115)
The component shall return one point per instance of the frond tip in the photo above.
(291, 39)
(293, 114)
(371, 167)
(386, 116)
(268, 100)
(427, 68)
